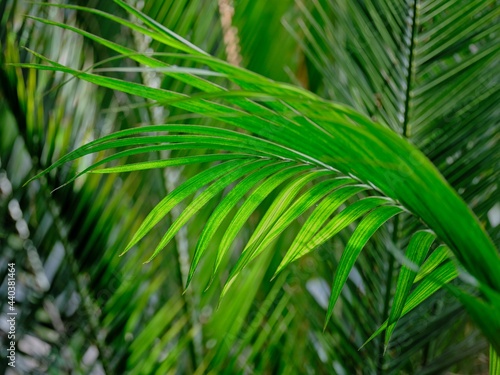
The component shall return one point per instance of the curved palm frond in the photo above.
(337, 139)
(250, 145)
(428, 70)
(90, 310)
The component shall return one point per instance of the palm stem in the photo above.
(411, 70)
(406, 133)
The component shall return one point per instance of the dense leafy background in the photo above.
(426, 69)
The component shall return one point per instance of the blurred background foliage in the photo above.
(85, 310)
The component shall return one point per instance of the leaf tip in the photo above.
(127, 248)
(327, 320)
(29, 181)
(210, 282)
(278, 270)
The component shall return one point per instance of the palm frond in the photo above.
(411, 180)
(261, 158)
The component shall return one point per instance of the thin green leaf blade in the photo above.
(173, 162)
(311, 235)
(225, 207)
(204, 198)
(416, 252)
(437, 257)
(251, 203)
(308, 199)
(494, 362)
(305, 202)
(431, 284)
(368, 226)
(179, 194)
(279, 205)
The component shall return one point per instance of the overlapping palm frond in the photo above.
(423, 68)
(269, 154)
(428, 70)
(100, 312)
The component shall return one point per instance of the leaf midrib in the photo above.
(410, 71)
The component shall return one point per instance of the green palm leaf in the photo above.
(277, 171)
(378, 156)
